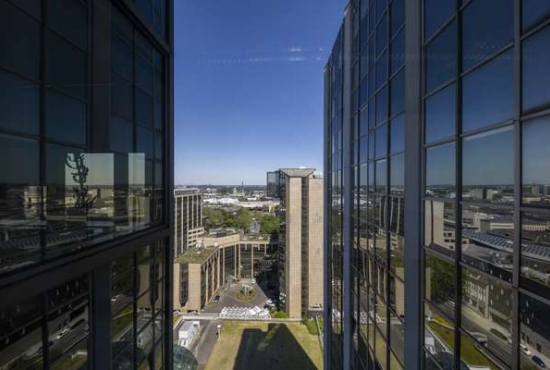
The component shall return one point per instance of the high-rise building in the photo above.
(300, 241)
(272, 189)
(187, 219)
(86, 184)
(437, 234)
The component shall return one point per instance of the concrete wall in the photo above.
(315, 242)
(293, 241)
(194, 301)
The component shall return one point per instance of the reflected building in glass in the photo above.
(85, 184)
(437, 119)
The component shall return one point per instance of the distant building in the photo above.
(188, 219)
(219, 259)
(300, 240)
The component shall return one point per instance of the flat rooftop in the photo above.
(197, 255)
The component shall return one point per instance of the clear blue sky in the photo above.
(249, 86)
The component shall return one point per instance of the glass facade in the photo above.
(480, 205)
(84, 224)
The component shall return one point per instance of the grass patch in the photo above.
(254, 345)
(279, 314)
(312, 326)
(469, 352)
(241, 296)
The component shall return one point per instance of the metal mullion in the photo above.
(42, 130)
(536, 114)
(45, 332)
(440, 142)
(517, 188)
(534, 29)
(438, 255)
(458, 187)
(439, 88)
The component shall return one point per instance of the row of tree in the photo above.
(242, 219)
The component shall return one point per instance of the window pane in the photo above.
(533, 12)
(65, 67)
(398, 94)
(19, 100)
(488, 166)
(436, 13)
(482, 36)
(439, 226)
(441, 114)
(438, 338)
(21, 36)
(382, 106)
(397, 15)
(441, 58)
(440, 283)
(397, 55)
(69, 18)
(121, 58)
(487, 317)
(535, 249)
(144, 75)
(441, 171)
(488, 240)
(382, 35)
(65, 118)
(535, 167)
(381, 70)
(381, 137)
(144, 141)
(381, 176)
(121, 97)
(488, 93)
(397, 174)
(21, 335)
(534, 332)
(536, 76)
(144, 108)
(397, 134)
(121, 135)
(13, 152)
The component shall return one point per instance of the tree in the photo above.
(258, 216)
(230, 221)
(214, 216)
(269, 225)
(244, 220)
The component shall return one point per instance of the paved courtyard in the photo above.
(227, 299)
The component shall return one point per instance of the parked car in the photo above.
(499, 334)
(524, 349)
(537, 360)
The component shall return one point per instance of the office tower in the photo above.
(219, 261)
(436, 124)
(187, 219)
(85, 184)
(272, 189)
(300, 241)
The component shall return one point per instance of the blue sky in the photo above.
(249, 86)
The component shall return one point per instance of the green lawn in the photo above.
(254, 345)
(469, 353)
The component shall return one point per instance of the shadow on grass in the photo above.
(275, 349)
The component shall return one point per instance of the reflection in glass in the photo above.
(534, 332)
(535, 165)
(441, 171)
(488, 166)
(533, 12)
(482, 36)
(397, 174)
(535, 253)
(486, 317)
(441, 114)
(440, 226)
(397, 136)
(536, 77)
(441, 57)
(488, 240)
(438, 338)
(440, 283)
(381, 136)
(488, 93)
(436, 13)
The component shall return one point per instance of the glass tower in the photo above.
(438, 193)
(85, 184)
